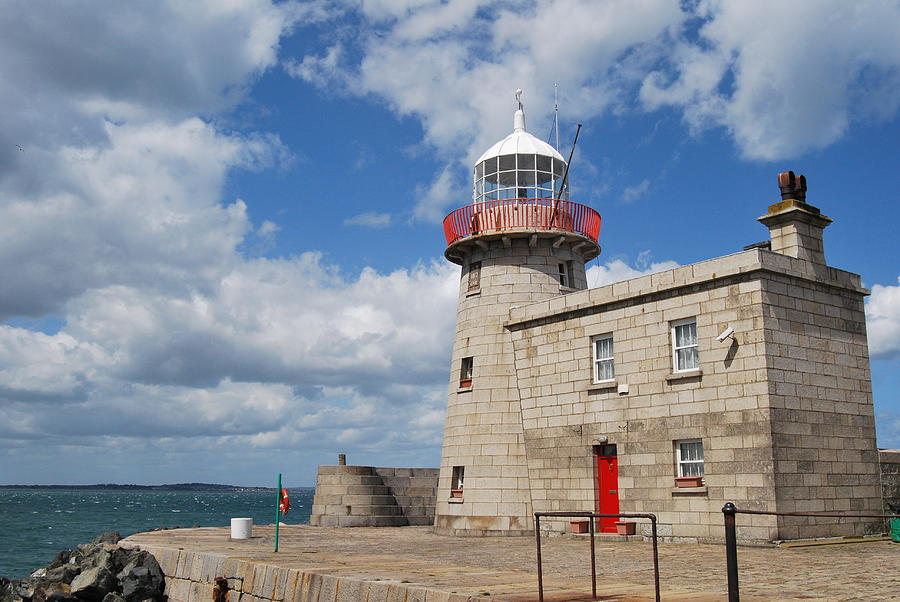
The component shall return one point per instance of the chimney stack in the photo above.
(795, 227)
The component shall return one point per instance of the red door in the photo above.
(608, 490)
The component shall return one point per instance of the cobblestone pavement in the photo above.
(505, 569)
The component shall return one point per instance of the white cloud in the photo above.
(618, 270)
(443, 192)
(142, 209)
(802, 72)
(121, 181)
(883, 321)
(632, 193)
(369, 219)
(281, 353)
(176, 341)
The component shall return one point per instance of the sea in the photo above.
(36, 524)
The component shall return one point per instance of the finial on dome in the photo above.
(519, 119)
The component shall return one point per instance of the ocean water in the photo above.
(36, 524)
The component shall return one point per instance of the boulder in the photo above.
(96, 572)
(61, 574)
(65, 557)
(61, 597)
(108, 537)
(54, 592)
(141, 578)
(93, 584)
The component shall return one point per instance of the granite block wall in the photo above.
(367, 496)
(483, 431)
(783, 407)
(890, 477)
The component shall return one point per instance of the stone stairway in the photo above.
(365, 496)
(415, 490)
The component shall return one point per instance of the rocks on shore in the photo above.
(96, 572)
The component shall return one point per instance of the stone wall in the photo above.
(890, 477)
(783, 408)
(367, 496)
(823, 423)
(483, 431)
(191, 576)
(648, 407)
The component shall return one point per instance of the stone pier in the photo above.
(411, 564)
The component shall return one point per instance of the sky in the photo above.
(220, 239)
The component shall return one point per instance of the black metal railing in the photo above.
(730, 512)
(592, 516)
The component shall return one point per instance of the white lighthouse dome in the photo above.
(519, 167)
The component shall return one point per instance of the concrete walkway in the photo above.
(411, 563)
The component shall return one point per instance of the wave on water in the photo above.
(77, 516)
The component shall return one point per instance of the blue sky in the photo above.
(220, 222)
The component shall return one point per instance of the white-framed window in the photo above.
(689, 457)
(684, 345)
(604, 366)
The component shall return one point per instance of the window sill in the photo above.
(605, 385)
(676, 376)
(473, 293)
(697, 491)
(455, 500)
(464, 390)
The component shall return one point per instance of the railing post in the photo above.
(655, 556)
(537, 538)
(593, 562)
(734, 593)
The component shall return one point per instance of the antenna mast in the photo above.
(556, 113)
(562, 186)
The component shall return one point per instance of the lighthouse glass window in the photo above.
(518, 176)
(684, 345)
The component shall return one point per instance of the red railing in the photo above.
(521, 214)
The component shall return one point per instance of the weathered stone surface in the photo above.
(93, 584)
(354, 496)
(141, 578)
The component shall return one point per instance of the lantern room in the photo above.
(520, 189)
(519, 167)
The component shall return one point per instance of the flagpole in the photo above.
(277, 510)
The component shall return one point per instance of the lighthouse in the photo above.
(520, 241)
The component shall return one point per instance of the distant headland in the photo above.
(167, 487)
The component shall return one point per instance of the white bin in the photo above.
(241, 528)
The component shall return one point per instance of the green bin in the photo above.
(895, 529)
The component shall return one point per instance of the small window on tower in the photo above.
(466, 368)
(474, 284)
(565, 274)
(456, 481)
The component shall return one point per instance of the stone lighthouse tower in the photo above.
(520, 241)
